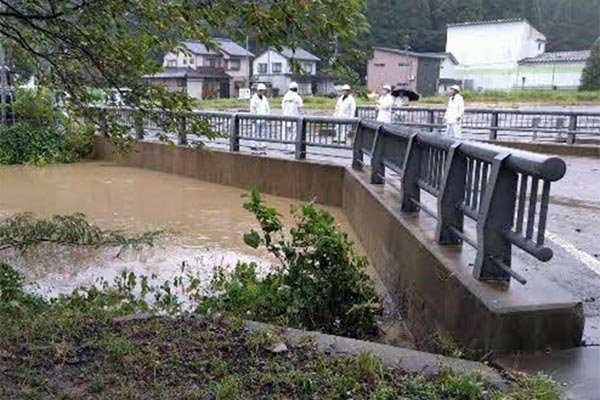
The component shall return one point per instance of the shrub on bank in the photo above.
(319, 282)
(41, 133)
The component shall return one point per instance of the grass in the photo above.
(310, 103)
(516, 97)
(489, 97)
(75, 347)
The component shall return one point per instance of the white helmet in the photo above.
(293, 85)
(387, 87)
(261, 86)
(346, 87)
(455, 87)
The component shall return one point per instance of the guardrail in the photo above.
(291, 133)
(499, 124)
(506, 192)
(496, 187)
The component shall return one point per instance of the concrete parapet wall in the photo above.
(432, 284)
(288, 178)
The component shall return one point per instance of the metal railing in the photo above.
(286, 133)
(505, 192)
(502, 124)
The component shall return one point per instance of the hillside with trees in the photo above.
(421, 24)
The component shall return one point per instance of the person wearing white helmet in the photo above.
(344, 108)
(259, 105)
(385, 104)
(291, 106)
(454, 113)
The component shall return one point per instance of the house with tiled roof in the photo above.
(224, 55)
(557, 70)
(510, 53)
(274, 68)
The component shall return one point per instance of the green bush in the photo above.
(25, 142)
(42, 134)
(319, 284)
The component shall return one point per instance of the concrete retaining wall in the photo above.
(432, 284)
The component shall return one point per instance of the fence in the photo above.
(497, 188)
(504, 192)
(502, 124)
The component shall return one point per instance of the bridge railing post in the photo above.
(410, 191)
(357, 153)
(572, 129)
(431, 120)
(138, 124)
(377, 166)
(495, 220)
(234, 133)
(535, 125)
(494, 126)
(452, 194)
(182, 134)
(300, 146)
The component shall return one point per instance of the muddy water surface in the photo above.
(207, 221)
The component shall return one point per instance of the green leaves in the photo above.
(590, 79)
(319, 284)
(23, 231)
(252, 239)
(113, 44)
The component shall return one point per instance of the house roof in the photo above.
(437, 56)
(225, 45)
(297, 54)
(489, 22)
(442, 55)
(559, 56)
(183, 72)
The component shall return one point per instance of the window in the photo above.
(379, 64)
(184, 61)
(308, 68)
(262, 68)
(191, 60)
(171, 63)
(539, 45)
(402, 64)
(276, 67)
(210, 62)
(234, 65)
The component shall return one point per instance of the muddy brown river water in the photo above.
(207, 221)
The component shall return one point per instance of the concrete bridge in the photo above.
(428, 271)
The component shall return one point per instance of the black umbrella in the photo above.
(411, 95)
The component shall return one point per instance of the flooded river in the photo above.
(207, 221)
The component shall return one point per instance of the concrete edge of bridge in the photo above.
(431, 284)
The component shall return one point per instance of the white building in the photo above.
(228, 57)
(274, 68)
(560, 70)
(507, 54)
(488, 52)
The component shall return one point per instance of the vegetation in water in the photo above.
(319, 282)
(42, 134)
(23, 231)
